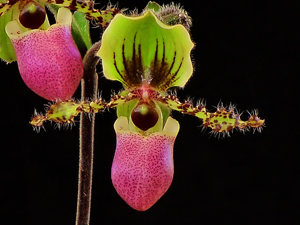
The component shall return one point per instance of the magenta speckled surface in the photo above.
(49, 62)
(143, 168)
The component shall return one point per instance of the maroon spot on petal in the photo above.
(229, 128)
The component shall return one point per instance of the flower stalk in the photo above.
(87, 124)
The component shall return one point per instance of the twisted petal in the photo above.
(49, 61)
(143, 169)
(143, 48)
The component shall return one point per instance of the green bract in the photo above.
(142, 49)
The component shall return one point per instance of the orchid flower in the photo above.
(148, 58)
(48, 58)
(148, 55)
(55, 77)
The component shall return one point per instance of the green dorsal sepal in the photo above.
(142, 49)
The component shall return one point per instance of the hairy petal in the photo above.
(221, 122)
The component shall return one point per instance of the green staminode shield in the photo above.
(139, 49)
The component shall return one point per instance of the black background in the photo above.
(244, 54)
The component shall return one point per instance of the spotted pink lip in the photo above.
(143, 168)
(49, 62)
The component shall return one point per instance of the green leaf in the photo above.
(7, 52)
(81, 32)
(143, 49)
